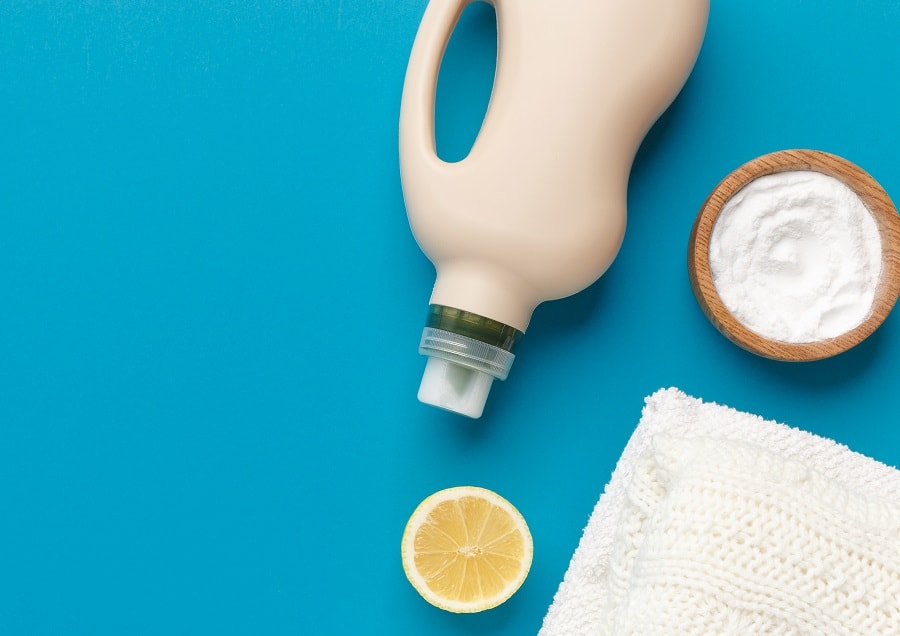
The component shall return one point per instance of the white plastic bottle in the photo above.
(536, 211)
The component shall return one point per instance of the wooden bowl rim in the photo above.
(873, 196)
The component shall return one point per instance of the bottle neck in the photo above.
(469, 340)
(485, 290)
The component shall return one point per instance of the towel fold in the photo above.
(720, 522)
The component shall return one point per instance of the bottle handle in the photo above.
(420, 86)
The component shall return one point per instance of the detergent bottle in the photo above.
(536, 211)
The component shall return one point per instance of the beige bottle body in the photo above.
(537, 209)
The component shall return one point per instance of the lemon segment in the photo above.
(466, 549)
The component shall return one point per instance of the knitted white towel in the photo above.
(720, 522)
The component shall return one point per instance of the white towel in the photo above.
(720, 522)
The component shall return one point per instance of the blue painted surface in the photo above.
(211, 303)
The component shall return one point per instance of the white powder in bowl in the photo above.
(796, 257)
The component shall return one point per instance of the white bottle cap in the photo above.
(454, 387)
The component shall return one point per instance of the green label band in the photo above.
(477, 327)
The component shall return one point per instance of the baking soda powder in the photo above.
(796, 257)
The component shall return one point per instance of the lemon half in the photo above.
(466, 549)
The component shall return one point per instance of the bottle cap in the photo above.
(454, 387)
(460, 370)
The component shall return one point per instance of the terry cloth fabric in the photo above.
(720, 522)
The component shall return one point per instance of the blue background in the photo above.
(211, 306)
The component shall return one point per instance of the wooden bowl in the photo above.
(872, 195)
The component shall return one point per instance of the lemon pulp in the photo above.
(466, 549)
